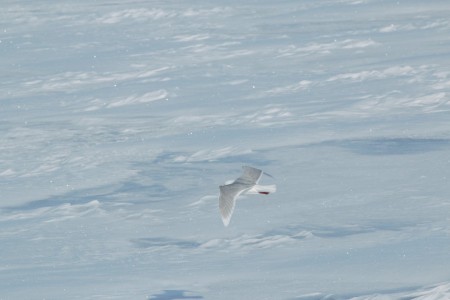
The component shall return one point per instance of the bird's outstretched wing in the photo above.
(227, 199)
(250, 176)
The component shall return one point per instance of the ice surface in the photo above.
(119, 119)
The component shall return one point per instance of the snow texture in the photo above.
(120, 119)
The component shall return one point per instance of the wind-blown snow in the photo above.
(119, 120)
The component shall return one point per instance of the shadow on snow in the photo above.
(390, 146)
(173, 295)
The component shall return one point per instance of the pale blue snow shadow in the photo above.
(335, 232)
(151, 184)
(161, 242)
(173, 295)
(104, 194)
(171, 157)
(318, 296)
(339, 231)
(295, 232)
(391, 146)
(384, 294)
(349, 230)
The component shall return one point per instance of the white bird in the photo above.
(248, 183)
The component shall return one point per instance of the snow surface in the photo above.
(120, 119)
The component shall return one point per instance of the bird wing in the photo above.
(227, 199)
(250, 176)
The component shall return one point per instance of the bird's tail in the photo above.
(263, 189)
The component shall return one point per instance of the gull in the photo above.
(246, 183)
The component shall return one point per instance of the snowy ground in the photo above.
(119, 119)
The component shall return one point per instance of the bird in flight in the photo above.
(246, 183)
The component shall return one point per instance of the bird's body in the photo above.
(246, 183)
